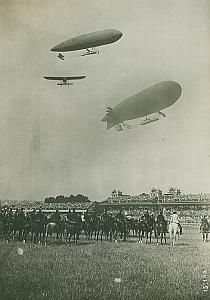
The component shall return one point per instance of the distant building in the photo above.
(173, 195)
(156, 194)
(119, 197)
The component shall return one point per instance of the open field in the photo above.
(93, 270)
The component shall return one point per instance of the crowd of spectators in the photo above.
(194, 197)
(187, 216)
(51, 206)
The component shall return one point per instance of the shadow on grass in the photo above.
(183, 244)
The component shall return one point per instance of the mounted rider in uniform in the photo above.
(160, 217)
(105, 216)
(162, 221)
(120, 216)
(56, 217)
(15, 218)
(33, 215)
(8, 217)
(205, 227)
(21, 217)
(73, 216)
(205, 222)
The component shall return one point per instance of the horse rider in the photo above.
(56, 217)
(105, 216)
(161, 217)
(21, 216)
(68, 216)
(33, 215)
(152, 218)
(28, 218)
(204, 221)
(204, 227)
(8, 217)
(40, 216)
(1, 222)
(87, 216)
(73, 216)
(9, 214)
(180, 228)
(94, 216)
(7, 222)
(146, 215)
(120, 216)
(174, 218)
(15, 216)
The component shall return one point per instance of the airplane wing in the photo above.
(64, 78)
(75, 77)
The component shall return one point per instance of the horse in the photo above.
(7, 228)
(53, 227)
(18, 225)
(140, 227)
(1, 224)
(92, 227)
(173, 229)
(162, 230)
(72, 229)
(204, 229)
(38, 231)
(27, 227)
(178, 233)
(121, 228)
(149, 227)
(108, 228)
(132, 224)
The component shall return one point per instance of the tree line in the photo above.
(67, 199)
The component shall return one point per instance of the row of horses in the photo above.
(39, 231)
(113, 228)
(110, 228)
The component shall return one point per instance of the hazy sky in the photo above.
(52, 139)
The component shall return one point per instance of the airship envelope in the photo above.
(151, 100)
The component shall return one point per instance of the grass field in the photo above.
(106, 270)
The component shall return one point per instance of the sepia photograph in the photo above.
(105, 150)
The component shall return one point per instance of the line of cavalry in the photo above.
(37, 227)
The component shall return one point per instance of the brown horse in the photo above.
(204, 229)
(56, 228)
(72, 229)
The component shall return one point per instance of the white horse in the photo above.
(173, 229)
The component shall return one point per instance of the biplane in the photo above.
(64, 80)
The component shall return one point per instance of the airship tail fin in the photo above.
(107, 115)
(111, 123)
(109, 118)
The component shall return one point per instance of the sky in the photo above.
(52, 139)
